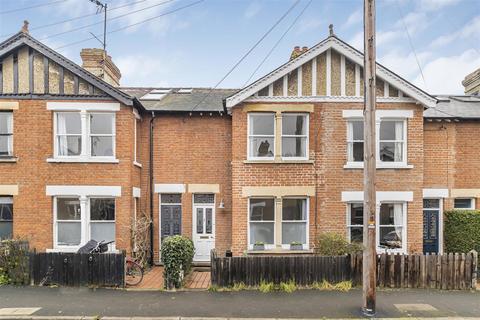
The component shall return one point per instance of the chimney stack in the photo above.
(472, 83)
(297, 51)
(93, 61)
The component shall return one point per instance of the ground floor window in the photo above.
(262, 221)
(294, 221)
(390, 225)
(6, 217)
(78, 220)
(464, 203)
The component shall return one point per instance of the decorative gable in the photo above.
(29, 68)
(331, 70)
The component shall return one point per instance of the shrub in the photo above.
(239, 286)
(462, 230)
(14, 262)
(266, 287)
(288, 287)
(334, 244)
(177, 256)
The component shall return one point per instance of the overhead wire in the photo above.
(278, 42)
(247, 53)
(32, 7)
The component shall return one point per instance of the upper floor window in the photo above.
(355, 141)
(392, 141)
(464, 203)
(261, 135)
(6, 134)
(84, 135)
(294, 136)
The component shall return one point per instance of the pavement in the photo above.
(85, 303)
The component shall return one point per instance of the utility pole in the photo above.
(370, 162)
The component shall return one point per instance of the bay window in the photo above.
(83, 135)
(294, 221)
(261, 136)
(6, 217)
(80, 219)
(262, 221)
(355, 140)
(294, 136)
(6, 134)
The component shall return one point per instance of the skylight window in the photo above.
(156, 94)
(185, 90)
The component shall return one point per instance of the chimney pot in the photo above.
(25, 26)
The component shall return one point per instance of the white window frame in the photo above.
(268, 246)
(404, 143)
(85, 226)
(8, 200)
(351, 141)
(403, 249)
(306, 136)
(249, 116)
(11, 135)
(349, 215)
(86, 143)
(306, 245)
(472, 203)
(111, 246)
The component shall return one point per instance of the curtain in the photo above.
(398, 218)
(62, 138)
(349, 143)
(399, 145)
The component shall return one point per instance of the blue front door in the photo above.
(431, 213)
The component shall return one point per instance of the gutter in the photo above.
(150, 174)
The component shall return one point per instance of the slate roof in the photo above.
(182, 102)
(455, 107)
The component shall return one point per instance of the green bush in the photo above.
(334, 244)
(177, 256)
(462, 230)
(14, 262)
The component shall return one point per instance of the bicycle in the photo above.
(133, 272)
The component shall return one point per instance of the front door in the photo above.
(431, 214)
(170, 215)
(203, 226)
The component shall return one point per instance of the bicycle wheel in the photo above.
(134, 273)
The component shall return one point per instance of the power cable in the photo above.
(247, 53)
(34, 6)
(100, 22)
(278, 42)
(133, 24)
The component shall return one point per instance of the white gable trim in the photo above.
(290, 99)
(344, 49)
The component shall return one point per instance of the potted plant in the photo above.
(259, 245)
(296, 245)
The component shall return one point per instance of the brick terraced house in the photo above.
(276, 162)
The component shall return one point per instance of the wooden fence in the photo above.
(78, 269)
(447, 272)
(453, 271)
(304, 270)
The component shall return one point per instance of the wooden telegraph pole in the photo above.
(369, 205)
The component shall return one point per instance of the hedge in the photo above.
(462, 230)
(14, 262)
(177, 256)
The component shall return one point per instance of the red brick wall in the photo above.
(328, 149)
(192, 150)
(33, 144)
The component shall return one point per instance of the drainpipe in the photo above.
(151, 187)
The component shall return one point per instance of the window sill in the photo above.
(135, 163)
(280, 161)
(280, 251)
(8, 159)
(359, 165)
(83, 160)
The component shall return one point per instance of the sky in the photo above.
(182, 43)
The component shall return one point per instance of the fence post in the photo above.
(213, 267)
(474, 269)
